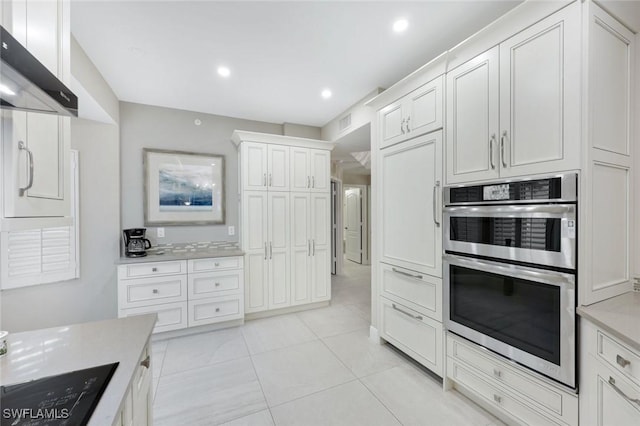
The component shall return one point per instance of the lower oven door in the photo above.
(525, 314)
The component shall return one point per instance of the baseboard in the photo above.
(195, 330)
(287, 310)
(374, 335)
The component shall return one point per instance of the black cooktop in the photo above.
(64, 400)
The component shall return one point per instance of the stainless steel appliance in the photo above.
(510, 270)
(135, 243)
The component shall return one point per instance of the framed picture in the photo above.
(183, 188)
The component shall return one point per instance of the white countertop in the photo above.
(47, 352)
(619, 316)
(186, 251)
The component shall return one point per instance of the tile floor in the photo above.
(315, 367)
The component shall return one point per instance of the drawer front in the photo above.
(219, 309)
(152, 291)
(151, 269)
(496, 397)
(623, 359)
(416, 290)
(212, 284)
(483, 361)
(214, 264)
(415, 334)
(171, 316)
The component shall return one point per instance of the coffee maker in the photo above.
(135, 244)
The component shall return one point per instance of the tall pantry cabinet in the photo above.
(285, 220)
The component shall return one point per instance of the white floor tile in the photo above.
(361, 309)
(350, 404)
(199, 350)
(209, 395)
(267, 334)
(416, 398)
(290, 373)
(335, 319)
(261, 418)
(361, 355)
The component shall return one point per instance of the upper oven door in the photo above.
(542, 234)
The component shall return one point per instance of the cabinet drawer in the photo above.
(151, 269)
(214, 264)
(418, 336)
(219, 309)
(208, 284)
(414, 289)
(496, 397)
(171, 316)
(528, 387)
(152, 291)
(626, 361)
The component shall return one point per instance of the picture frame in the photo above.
(183, 188)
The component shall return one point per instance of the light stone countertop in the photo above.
(48, 352)
(186, 251)
(618, 316)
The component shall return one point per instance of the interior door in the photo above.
(278, 247)
(353, 224)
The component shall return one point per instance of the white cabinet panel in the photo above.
(320, 170)
(320, 219)
(410, 176)
(392, 124)
(254, 167)
(320, 273)
(256, 282)
(278, 230)
(300, 169)
(300, 248)
(214, 264)
(213, 310)
(420, 292)
(152, 269)
(255, 208)
(154, 290)
(278, 167)
(171, 316)
(207, 284)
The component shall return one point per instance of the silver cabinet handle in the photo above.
(497, 398)
(313, 181)
(265, 250)
(402, 126)
(436, 187)
(504, 136)
(407, 124)
(155, 291)
(146, 362)
(270, 180)
(612, 382)
(622, 362)
(270, 250)
(418, 317)
(217, 309)
(308, 182)
(216, 264)
(308, 247)
(217, 284)
(397, 271)
(154, 269)
(497, 372)
(23, 147)
(491, 141)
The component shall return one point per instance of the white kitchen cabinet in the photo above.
(609, 378)
(278, 168)
(254, 170)
(35, 147)
(410, 204)
(416, 113)
(320, 170)
(279, 259)
(320, 226)
(514, 110)
(310, 169)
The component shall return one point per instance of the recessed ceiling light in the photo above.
(224, 71)
(400, 25)
(326, 93)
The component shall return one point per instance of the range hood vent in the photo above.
(27, 85)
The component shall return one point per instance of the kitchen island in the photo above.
(48, 352)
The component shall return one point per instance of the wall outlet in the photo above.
(160, 232)
(232, 230)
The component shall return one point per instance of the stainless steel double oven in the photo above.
(510, 270)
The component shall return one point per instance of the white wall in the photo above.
(144, 126)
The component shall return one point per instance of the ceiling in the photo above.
(281, 54)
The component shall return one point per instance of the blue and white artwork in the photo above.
(184, 188)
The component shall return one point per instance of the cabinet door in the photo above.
(423, 108)
(35, 147)
(141, 392)
(472, 119)
(278, 167)
(540, 96)
(411, 204)
(320, 247)
(320, 170)
(300, 248)
(278, 231)
(300, 169)
(254, 166)
(392, 129)
(254, 241)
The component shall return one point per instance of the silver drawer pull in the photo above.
(497, 398)
(154, 269)
(217, 309)
(397, 271)
(216, 264)
(155, 291)
(217, 284)
(612, 382)
(146, 362)
(418, 317)
(497, 372)
(622, 362)
(23, 147)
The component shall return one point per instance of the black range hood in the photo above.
(27, 85)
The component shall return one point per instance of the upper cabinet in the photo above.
(267, 167)
(514, 110)
(35, 147)
(310, 169)
(417, 113)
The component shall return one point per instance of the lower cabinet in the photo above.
(508, 390)
(183, 293)
(610, 379)
(137, 408)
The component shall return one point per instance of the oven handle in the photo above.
(557, 210)
(554, 278)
